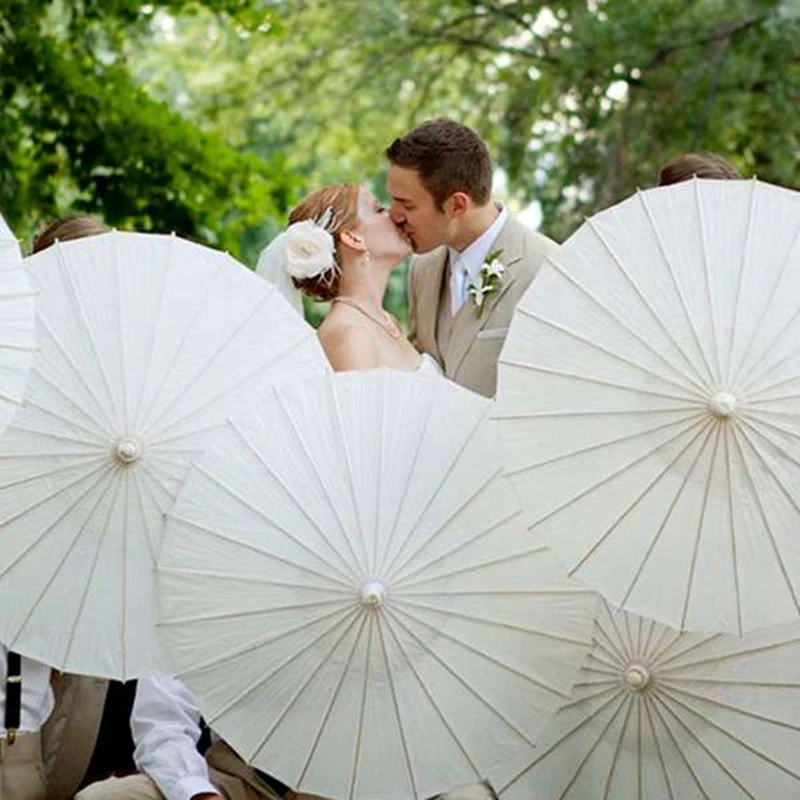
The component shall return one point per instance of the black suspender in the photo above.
(13, 696)
(204, 742)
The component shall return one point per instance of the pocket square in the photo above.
(493, 333)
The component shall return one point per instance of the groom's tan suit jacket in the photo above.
(468, 345)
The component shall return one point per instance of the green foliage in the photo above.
(581, 100)
(212, 118)
(77, 132)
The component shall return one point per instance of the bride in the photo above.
(341, 246)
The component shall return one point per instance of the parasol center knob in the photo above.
(637, 677)
(128, 450)
(722, 405)
(372, 594)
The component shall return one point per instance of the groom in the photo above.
(440, 182)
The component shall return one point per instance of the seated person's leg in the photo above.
(478, 791)
(21, 773)
(132, 787)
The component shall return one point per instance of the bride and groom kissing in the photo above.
(473, 260)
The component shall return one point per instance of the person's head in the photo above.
(66, 228)
(362, 231)
(702, 165)
(439, 174)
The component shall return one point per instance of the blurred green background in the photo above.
(211, 119)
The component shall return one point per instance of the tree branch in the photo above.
(502, 11)
(471, 42)
(664, 51)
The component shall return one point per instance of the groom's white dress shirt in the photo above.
(465, 265)
(166, 727)
(37, 695)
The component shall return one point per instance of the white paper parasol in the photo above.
(348, 593)
(17, 314)
(144, 344)
(663, 715)
(649, 404)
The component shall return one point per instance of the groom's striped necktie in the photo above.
(459, 279)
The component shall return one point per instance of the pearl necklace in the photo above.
(388, 325)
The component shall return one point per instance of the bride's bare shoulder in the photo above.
(348, 345)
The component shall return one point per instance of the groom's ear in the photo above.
(353, 241)
(459, 203)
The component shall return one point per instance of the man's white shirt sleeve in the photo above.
(37, 695)
(166, 727)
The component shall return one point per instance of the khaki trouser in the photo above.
(233, 779)
(140, 787)
(21, 771)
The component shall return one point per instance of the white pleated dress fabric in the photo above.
(649, 404)
(348, 592)
(17, 322)
(146, 344)
(663, 715)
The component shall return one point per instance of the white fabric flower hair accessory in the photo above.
(310, 247)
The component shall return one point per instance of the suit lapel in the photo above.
(430, 287)
(467, 324)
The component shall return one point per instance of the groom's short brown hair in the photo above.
(449, 157)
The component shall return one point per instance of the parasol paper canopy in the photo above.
(649, 404)
(347, 591)
(10, 255)
(661, 715)
(146, 344)
(17, 315)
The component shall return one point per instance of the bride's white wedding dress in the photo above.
(428, 366)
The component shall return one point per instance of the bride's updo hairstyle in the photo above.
(340, 202)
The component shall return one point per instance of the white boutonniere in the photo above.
(488, 281)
